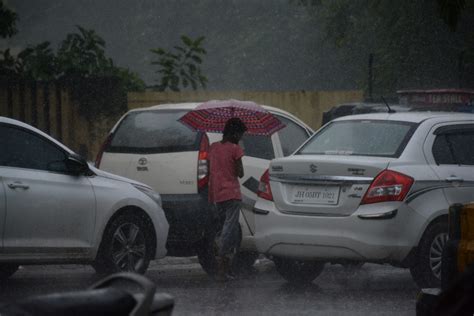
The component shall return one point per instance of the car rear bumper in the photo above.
(373, 233)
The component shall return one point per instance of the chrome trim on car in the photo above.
(385, 215)
(421, 187)
(260, 211)
(313, 214)
(306, 178)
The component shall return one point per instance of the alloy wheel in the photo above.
(436, 251)
(128, 247)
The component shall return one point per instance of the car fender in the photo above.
(106, 210)
(431, 205)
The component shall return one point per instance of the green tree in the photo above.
(131, 81)
(181, 67)
(83, 54)
(451, 11)
(8, 20)
(413, 42)
(37, 62)
(8, 64)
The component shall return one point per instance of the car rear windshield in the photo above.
(151, 132)
(361, 138)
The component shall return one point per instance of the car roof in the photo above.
(193, 105)
(415, 117)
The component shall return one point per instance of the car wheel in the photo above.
(206, 250)
(426, 271)
(127, 245)
(298, 271)
(7, 270)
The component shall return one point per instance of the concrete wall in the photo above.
(307, 105)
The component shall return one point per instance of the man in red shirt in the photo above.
(225, 167)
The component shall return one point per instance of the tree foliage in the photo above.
(83, 54)
(37, 62)
(8, 20)
(131, 81)
(181, 67)
(415, 43)
(7, 63)
(80, 63)
(80, 55)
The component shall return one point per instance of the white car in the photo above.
(151, 146)
(55, 208)
(368, 188)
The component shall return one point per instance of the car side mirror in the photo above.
(76, 165)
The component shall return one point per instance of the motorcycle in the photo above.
(114, 295)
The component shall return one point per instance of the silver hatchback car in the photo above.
(368, 188)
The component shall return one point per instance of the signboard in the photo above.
(434, 98)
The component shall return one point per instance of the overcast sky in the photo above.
(251, 44)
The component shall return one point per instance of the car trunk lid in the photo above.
(326, 185)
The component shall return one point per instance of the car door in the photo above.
(452, 152)
(47, 210)
(259, 150)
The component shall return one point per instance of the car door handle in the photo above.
(18, 185)
(454, 179)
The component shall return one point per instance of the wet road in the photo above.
(370, 290)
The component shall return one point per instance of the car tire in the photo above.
(426, 270)
(206, 252)
(7, 270)
(128, 245)
(298, 271)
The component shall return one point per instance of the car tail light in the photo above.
(264, 189)
(202, 173)
(104, 146)
(388, 186)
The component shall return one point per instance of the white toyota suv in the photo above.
(151, 146)
(368, 188)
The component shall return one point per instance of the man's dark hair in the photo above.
(234, 126)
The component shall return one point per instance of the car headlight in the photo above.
(155, 196)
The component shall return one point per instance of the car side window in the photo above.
(441, 151)
(454, 148)
(292, 136)
(22, 149)
(258, 146)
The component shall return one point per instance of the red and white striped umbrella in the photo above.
(211, 116)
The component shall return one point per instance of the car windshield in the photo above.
(360, 138)
(153, 132)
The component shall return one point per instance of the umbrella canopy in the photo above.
(211, 116)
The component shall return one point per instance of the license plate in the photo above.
(315, 195)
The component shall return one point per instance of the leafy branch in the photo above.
(181, 67)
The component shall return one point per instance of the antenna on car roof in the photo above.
(388, 106)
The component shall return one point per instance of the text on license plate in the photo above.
(315, 194)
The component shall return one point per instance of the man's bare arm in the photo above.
(239, 168)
